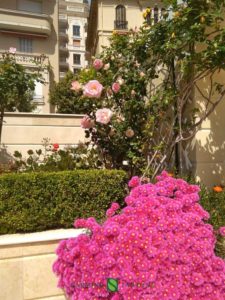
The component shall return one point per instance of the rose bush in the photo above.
(158, 247)
(151, 79)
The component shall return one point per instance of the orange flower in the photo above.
(170, 174)
(217, 189)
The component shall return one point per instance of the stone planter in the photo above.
(26, 265)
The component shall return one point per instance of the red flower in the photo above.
(55, 147)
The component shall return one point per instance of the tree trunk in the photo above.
(176, 150)
(1, 125)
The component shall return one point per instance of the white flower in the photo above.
(12, 50)
(120, 80)
(106, 66)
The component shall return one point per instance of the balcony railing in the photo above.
(120, 24)
(28, 60)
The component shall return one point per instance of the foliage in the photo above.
(214, 203)
(16, 86)
(52, 158)
(41, 201)
(157, 247)
(158, 72)
(64, 98)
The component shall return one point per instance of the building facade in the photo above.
(72, 35)
(31, 27)
(109, 15)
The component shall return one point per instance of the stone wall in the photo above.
(24, 131)
(26, 265)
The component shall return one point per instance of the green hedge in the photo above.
(40, 201)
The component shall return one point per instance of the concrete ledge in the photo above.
(50, 115)
(37, 237)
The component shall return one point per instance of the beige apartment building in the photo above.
(109, 15)
(73, 16)
(31, 26)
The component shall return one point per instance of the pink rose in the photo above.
(98, 64)
(87, 122)
(116, 87)
(93, 89)
(103, 115)
(12, 50)
(76, 86)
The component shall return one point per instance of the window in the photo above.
(76, 43)
(120, 22)
(76, 30)
(25, 45)
(76, 59)
(38, 92)
(34, 6)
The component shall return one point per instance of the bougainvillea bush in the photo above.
(157, 247)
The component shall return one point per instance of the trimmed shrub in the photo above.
(41, 201)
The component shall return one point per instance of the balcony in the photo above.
(28, 60)
(120, 25)
(63, 64)
(64, 50)
(63, 36)
(63, 21)
(21, 21)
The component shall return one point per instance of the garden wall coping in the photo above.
(36, 237)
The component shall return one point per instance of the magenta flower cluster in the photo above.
(158, 247)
